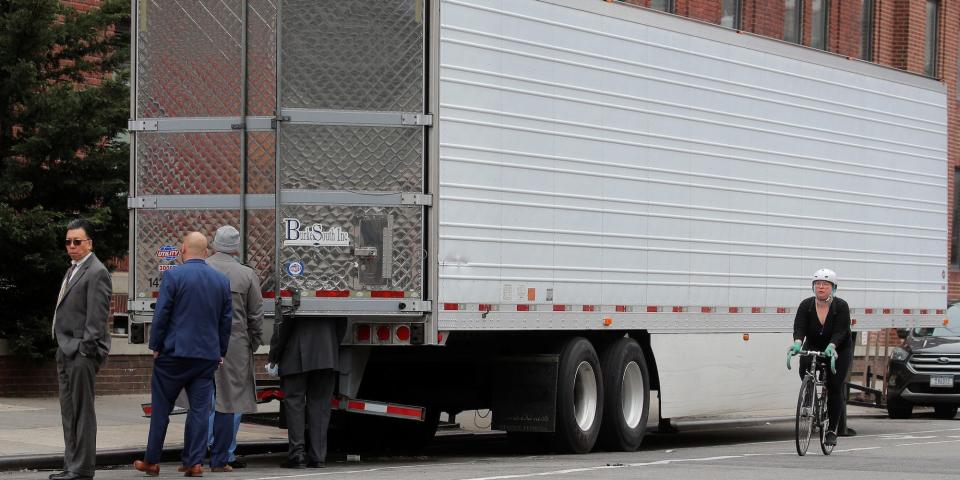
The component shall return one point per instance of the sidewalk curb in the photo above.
(124, 456)
(693, 425)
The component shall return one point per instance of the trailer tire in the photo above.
(579, 397)
(626, 406)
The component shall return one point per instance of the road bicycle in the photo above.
(812, 402)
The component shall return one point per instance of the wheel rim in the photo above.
(631, 395)
(585, 396)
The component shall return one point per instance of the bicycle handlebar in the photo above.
(814, 353)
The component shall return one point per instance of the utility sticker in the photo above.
(294, 268)
(517, 293)
(168, 255)
(296, 235)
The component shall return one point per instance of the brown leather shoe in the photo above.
(225, 468)
(194, 471)
(151, 469)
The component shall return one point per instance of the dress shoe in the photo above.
(70, 476)
(294, 463)
(58, 476)
(225, 468)
(152, 469)
(194, 471)
(316, 465)
(237, 464)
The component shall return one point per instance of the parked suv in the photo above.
(925, 370)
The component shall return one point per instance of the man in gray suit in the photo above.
(83, 342)
(236, 389)
(307, 353)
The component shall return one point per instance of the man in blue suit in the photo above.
(189, 338)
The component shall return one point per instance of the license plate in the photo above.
(941, 381)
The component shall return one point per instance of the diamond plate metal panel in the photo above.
(188, 163)
(261, 57)
(352, 158)
(352, 54)
(261, 162)
(157, 228)
(185, 53)
(260, 245)
(336, 268)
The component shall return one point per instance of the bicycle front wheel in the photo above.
(804, 415)
(824, 422)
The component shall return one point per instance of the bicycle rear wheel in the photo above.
(824, 421)
(804, 415)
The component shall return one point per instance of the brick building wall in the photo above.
(899, 29)
(122, 374)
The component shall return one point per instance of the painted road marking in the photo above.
(881, 436)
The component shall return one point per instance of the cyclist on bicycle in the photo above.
(823, 323)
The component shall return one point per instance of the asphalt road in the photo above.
(920, 448)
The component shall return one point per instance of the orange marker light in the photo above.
(946, 322)
(746, 337)
(607, 322)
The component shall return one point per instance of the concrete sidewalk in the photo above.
(31, 435)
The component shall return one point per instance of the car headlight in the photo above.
(899, 355)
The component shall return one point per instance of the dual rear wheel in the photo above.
(601, 397)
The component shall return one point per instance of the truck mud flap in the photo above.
(525, 393)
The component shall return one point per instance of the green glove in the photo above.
(831, 351)
(793, 350)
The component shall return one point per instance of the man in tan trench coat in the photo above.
(236, 390)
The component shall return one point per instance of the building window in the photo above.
(818, 33)
(792, 20)
(931, 32)
(662, 5)
(866, 29)
(955, 230)
(730, 14)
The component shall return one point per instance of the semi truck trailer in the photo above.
(564, 211)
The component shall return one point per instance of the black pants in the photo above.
(77, 379)
(307, 398)
(836, 396)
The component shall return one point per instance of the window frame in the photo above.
(931, 37)
(868, 11)
(821, 23)
(669, 6)
(797, 23)
(737, 12)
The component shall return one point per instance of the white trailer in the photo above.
(544, 207)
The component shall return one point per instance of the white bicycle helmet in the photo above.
(825, 274)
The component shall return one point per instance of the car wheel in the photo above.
(945, 411)
(897, 408)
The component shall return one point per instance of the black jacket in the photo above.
(835, 330)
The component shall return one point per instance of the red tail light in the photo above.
(383, 333)
(403, 333)
(363, 333)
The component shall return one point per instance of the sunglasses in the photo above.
(76, 242)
